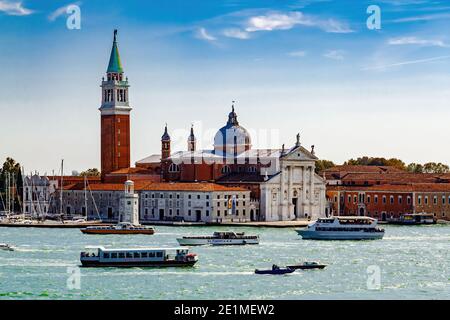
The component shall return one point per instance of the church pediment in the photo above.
(299, 153)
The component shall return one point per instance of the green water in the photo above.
(414, 263)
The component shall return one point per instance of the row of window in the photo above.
(368, 199)
(134, 255)
(198, 196)
(121, 94)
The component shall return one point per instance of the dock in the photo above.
(52, 224)
(257, 224)
(70, 224)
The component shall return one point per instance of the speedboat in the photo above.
(219, 238)
(275, 270)
(120, 228)
(307, 265)
(6, 247)
(137, 257)
(342, 228)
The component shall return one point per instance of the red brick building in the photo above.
(383, 192)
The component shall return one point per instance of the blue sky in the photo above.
(292, 66)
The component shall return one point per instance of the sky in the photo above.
(310, 66)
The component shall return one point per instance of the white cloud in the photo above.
(298, 54)
(416, 41)
(204, 35)
(60, 11)
(14, 8)
(334, 54)
(285, 21)
(236, 33)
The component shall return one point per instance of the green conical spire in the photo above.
(114, 61)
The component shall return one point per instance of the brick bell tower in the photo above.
(115, 116)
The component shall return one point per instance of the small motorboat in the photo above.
(275, 270)
(6, 247)
(307, 265)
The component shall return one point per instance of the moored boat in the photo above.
(408, 219)
(120, 228)
(219, 238)
(275, 270)
(137, 257)
(307, 265)
(342, 228)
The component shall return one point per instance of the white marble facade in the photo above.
(296, 191)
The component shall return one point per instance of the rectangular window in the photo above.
(426, 199)
(400, 199)
(419, 200)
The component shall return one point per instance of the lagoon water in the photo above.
(414, 263)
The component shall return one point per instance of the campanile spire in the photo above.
(115, 115)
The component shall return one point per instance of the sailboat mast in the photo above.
(61, 189)
(85, 197)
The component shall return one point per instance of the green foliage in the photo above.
(429, 167)
(433, 167)
(323, 165)
(376, 161)
(13, 168)
(90, 173)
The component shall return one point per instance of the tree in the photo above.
(322, 165)
(433, 167)
(414, 168)
(376, 161)
(11, 167)
(90, 173)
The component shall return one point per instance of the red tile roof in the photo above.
(409, 187)
(155, 186)
(131, 171)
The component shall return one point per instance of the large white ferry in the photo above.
(219, 238)
(342, 228)
(137, 257)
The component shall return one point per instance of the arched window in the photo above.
(174, 168)
(226, 169)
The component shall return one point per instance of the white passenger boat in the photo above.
(120, 228)
(342, 228)
(6, 247)
(137, 257)
(219, 238)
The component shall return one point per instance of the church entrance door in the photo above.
(294, 202)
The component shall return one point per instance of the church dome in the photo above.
(232, 138)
